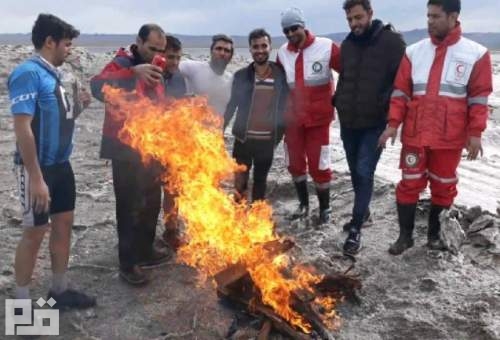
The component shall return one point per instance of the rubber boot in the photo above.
(303, 195)
(434, 242)
(406, 217)
(324, 205)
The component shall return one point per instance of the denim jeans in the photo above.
(362, 155)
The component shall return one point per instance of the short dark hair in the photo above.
(222, 37)
(348, 4)
(173, 43)
(146, 29)
(449, 6)
(258, 33)
(48, 25)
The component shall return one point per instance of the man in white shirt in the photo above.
(210, 78)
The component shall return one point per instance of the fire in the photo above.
(184, 136)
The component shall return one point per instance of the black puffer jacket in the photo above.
(242, 97)
(368, 66)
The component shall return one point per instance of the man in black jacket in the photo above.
(258, 94)
(370, 56)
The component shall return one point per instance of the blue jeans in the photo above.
(362, 155)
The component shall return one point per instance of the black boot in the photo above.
(406, 217)
(241, 185)
(434, 242)
(303, 195)
(324, 205)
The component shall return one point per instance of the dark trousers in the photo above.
(362, 155)
(256, 153)
(138, 202)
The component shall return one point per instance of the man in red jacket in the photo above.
(440, 96)
(308, 61)
(137, 186)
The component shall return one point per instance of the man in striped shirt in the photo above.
(258, 94)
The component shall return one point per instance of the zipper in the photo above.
(251, 106)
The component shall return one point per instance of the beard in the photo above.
(262, 61)
(218, 65)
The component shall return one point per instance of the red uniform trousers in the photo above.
(420, 165)
(309, 147)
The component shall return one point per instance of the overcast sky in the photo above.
(236, 17)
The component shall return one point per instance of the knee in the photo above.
(34, 236)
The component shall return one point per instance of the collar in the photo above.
(452, 38)
(370, 34)
(49, 66)
(309, 40)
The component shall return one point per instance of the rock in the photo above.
(486, 238)
(473, 213)
(452, 233)
(480, 223)
(428, 285)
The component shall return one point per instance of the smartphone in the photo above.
(160, 61)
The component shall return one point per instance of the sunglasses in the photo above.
(291, 29)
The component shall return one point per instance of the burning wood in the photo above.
(185, 137)
(236, 284)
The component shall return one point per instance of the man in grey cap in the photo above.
(308, 61)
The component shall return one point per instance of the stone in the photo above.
(486, 238)
(480, 223)
(452, 234)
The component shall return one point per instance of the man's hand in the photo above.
(389, 132)
(39, 193)
(151, 74)
(474, 148)
(85, 98)
(81, 99)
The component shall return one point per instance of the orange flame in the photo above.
(185, 138)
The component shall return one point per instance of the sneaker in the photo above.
(71, 298)
(352, 244)
(157, 259)
(134, 276)
(367, 222)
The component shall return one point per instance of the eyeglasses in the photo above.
(291, 29)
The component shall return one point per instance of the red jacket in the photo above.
(309, 76)
(118, 73)
(441, 92)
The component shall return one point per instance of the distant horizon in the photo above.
(236, 17)
(488, 39)
(241, 35)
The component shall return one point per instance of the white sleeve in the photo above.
(186, 67)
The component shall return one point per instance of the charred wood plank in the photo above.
(257, 308)
(301, 303)
(339, 285)
(230, 275)
(265, 330)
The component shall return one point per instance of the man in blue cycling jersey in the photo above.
(44, 124)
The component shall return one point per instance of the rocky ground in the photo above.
(420, 295)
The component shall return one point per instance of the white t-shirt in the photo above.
(202, 80)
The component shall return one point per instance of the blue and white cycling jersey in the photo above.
(35, 89)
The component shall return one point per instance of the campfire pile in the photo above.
(230, 241)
